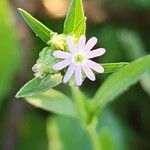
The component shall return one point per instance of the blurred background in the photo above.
(122, 27)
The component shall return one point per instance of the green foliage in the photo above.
(112, 133)
(57, 129)
(106, 138)
(54, 101)
(38, 91)
(81, 101)
(39, 85)
(74, 17)
(145, 82)
(80, 28)
(39, 29)
(118, 82)
(133, 46)
(9, 49)
(113, 67)
(72, 24)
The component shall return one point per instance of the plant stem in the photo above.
(91, 130)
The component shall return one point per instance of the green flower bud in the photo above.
(58, 42)
(45, 63)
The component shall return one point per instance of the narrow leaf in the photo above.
(113, 67)
(39, 85)
(120, 81)
(53, 101)
(38, 28)
(74, 16)
(79, 29)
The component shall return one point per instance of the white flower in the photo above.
(78, 59)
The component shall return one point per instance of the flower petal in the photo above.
(96, 53)
(78, 75)
(81, 42)
(89, 73)
(61, 54)
(61, 65)
(69, 73)
(90, 44)
(95, 66)
(71, 44)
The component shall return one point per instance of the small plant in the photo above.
(67, 60)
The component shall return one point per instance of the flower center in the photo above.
(79, 58)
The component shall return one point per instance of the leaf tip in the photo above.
(18, 95)
(23, 12)
(20, 9)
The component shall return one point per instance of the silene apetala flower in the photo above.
(78, 59)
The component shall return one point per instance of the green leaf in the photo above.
(59, 131)
(145, 82)
(9, 49)
(133, 46)
(113, 67)
(74, 16)
(54, 101)
(38, 28)
(113, 132)
(120, 81)
(110, 131)
(39, 85)
(79, 29)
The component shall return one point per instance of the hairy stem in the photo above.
(89, 127)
